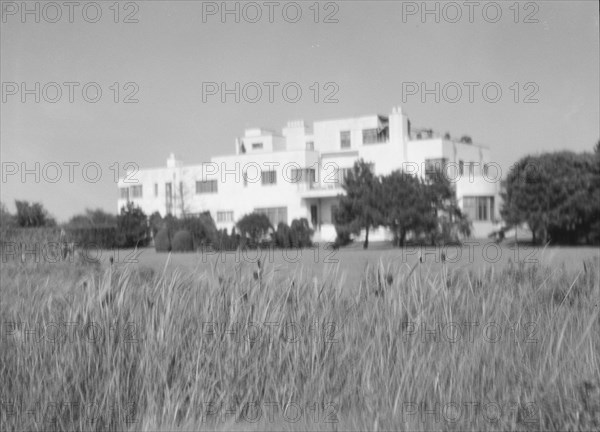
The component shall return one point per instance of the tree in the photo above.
(132, 227)
(448, 223)
(555, 194)
(32, 215)
(7, 219)
(255, 226)
(361, 207)
(301, 233)
(93, 218)
(466, 139)
(406, 205)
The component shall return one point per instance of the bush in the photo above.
(132, 227)
(301, 233)
(283, 236)
(255, 226)
(162, 241)
(182, 242)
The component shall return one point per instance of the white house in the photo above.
(299, 173)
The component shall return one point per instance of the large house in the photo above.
(300, 172)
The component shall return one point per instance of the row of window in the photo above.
(369, 136)
(306, 175)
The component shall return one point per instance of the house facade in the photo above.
(299, 173)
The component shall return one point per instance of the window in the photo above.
(169, 198)
(269, 177)
(471, 168)
(124, 193)
(435, 165)
(275, 214)
(225, 216)
(208, 186)
(310, 145)
(375, 136)
(461, 167)
(136, 191)
(155, 189)
(341, 175)
(345, 139)
(479, 208)
(257, 146)
(306, 175)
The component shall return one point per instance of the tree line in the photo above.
(424, 209)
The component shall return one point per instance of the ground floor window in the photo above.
(275, 214)
(225, 216)
(479, 208)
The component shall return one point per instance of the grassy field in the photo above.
(375, 341)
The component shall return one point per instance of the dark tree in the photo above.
(32, 215)
(361, 207)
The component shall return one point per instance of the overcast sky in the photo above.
(372, 49)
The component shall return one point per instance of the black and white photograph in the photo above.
(305, 215)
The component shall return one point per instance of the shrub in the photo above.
(132, 227)
(162, 241)
(255, 226)
(301, 233)
(283, 236)
(182, 241)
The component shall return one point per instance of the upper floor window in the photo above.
(310, 145)
(306, 175)
(124, 193)
(257, 146)
(345, 139)
(435, 165)
(208, 186)
(136, 191)
(461, 167)
(269, 177)
(375, 136)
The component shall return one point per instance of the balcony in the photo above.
(320, 190)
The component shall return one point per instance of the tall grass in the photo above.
(163, 353)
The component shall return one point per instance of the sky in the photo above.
(162, 56)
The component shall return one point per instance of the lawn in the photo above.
(378, 340)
